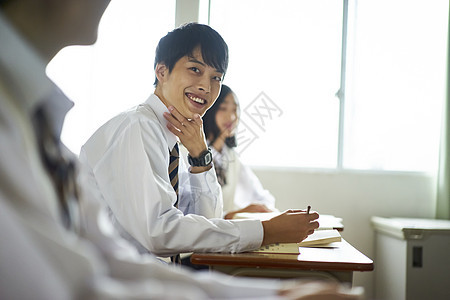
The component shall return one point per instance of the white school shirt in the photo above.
(129, 159)
(243, 186)
(39, 258)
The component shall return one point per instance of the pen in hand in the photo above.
(307, 212)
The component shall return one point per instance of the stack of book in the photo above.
(320, 238)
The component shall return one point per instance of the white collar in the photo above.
(24, 70)
(159, 108)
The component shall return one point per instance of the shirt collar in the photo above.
(159, 108)
(24, 70)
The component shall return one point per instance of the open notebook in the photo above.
(320, 238)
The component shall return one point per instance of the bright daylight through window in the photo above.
(396, 84)
(291, 51)
(117, 72)
(285, 67)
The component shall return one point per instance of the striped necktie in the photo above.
(173, 176)
(173, 170)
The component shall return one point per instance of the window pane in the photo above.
(117, 72)
(285, 70)
(396, 85)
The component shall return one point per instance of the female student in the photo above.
(242, 191)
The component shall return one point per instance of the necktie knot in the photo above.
(175, 151)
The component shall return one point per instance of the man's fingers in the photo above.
(294, 211)
(179, 121)
(177, 115)
(311, 215)
(173, 121)
(198, 120)
(174, 130)
(314, 224)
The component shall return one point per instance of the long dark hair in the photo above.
(210, 127)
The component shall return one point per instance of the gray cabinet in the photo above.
(412, 258)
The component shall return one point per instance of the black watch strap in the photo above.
(203, 160)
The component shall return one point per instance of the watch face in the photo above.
(208, 158)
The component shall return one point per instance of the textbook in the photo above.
(320, 238)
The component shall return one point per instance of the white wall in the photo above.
(355, 197)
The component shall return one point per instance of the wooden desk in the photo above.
(331, 263)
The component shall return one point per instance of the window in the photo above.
(291, 52)
(285, 67)
(396, 84)
(119, 66)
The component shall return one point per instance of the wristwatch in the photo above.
(203, 160)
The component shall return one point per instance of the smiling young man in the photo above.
(130, 160)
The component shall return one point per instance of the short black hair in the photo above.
(212, 131)
(183, 40)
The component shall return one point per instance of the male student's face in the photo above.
(191, 87)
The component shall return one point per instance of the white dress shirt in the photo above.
(39, 258)
(129, 158)
(242, 187)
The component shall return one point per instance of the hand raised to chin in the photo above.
(190, 132)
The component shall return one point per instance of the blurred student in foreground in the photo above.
(56, 243)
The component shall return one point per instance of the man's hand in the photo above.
(292, 226)
(190, 133)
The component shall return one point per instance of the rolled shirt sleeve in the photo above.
(200, 193)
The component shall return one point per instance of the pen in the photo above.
(309, 208)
